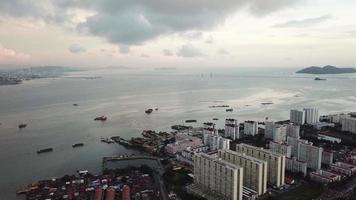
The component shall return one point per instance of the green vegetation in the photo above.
(177, 180)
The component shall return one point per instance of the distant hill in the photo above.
(326, 70)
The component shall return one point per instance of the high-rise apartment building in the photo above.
(275, 162)
(255, 170)
(218, 176)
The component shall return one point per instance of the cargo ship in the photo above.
(77, 145)
(190, 121)
(229, 110)
(22, 126)
(101, 118)
(45, 150)
(149, 111)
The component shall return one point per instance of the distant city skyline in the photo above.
(158, 33)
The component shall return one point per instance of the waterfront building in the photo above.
(348, 123)
(187, 156)
(281, 148)
(343, 168)
(296, 166)
(275, 162)
(311, 115)
(255, 170)
(182, 142)
(232, 129)
(297, 117)
(293, 130)
(310, 154)
(324, 177)
(251, 128)
(218, 176)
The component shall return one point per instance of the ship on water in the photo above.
(78, 145)
(101, 118)
(44, 150)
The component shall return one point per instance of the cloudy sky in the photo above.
(174, 33)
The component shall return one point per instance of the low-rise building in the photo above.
(329, 138)
(343, 168)
(187, 156)
(183, 141)
(322, 125)
(324, 177)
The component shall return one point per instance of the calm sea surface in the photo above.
(45, 105)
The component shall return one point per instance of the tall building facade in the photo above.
(269, 127)
(275, 162)
(348, 123)
(216, 142)
(310, 154)
(255, 170)
(293, 130)
(232, 129)
(297, 116)
(251, 128)
(311, 115)
(218, 176)
(281, 148)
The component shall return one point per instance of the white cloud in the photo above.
(189, 51)
(76, 48)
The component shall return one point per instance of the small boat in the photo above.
(156, 109)
(267, 103)
(320, 79)
(75, 104)
(101, 118)
(190, 121)
(77, 145)
(229, 110)
(149, 111)
(22, 126)
(44, 150)
(215, 119)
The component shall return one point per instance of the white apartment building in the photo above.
(297, 117)
(294, 165)
(311, 115)
(277, 132)
(216, 142)
(348, 123)
(232, 129)
(310, 154)
(269, 127)
(294, 143)
(218, 176)
(255, 170)
(281, 148)
(251, 128)
(275, 162)
(293, 130)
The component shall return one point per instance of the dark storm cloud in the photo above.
(304, 22)
(132, 22)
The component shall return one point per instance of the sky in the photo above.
(178, 33)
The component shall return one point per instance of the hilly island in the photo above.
(328, 69)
